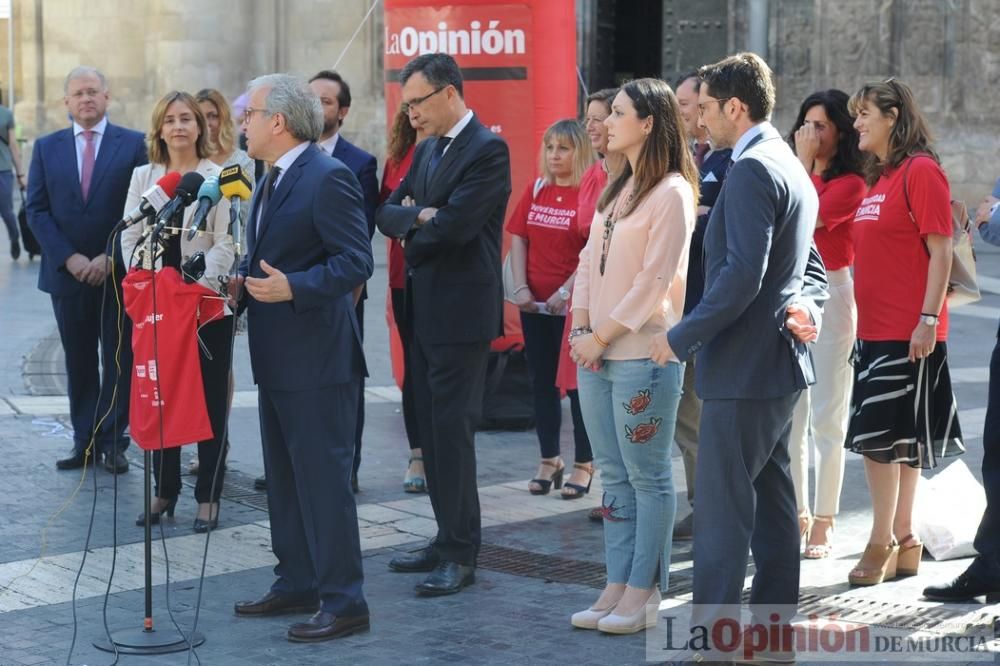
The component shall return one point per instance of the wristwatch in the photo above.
(563, 293)
(929, 320)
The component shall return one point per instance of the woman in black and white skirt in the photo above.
(903, 411)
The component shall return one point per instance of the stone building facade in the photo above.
(948, 50)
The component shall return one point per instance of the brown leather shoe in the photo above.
(326, 627)
(273, 603)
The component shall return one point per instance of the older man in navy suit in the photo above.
(77, 187)
(335, 96)
(759, 304)
(308, 249)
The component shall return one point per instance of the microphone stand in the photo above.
(148, 639)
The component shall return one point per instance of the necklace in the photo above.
(609, 226)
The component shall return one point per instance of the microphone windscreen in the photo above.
(188, 187)
(233, 182)
(169, 182)
(210, 190)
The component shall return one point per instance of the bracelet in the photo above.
(579, 330)
(604, 343)
(523, 286)
(924, 314)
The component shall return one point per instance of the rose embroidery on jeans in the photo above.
(638, 403)
(643, 432)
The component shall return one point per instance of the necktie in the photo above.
(700, 150)
(87, 168)
(438, 153)
(269, 184)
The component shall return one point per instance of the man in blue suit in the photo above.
(335, 96)
(307, 250)
(757, 306)
(77, 187)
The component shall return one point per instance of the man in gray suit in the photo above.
(750, 327)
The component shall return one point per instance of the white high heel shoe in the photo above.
(587, 619)
(629, 624)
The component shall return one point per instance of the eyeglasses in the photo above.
(248, 113)
(720, 100)
(413, 103)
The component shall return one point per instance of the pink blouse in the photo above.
(645, 272)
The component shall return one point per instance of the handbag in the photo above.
(507, 272)
(962, 286)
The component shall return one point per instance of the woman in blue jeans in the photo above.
(629, 288)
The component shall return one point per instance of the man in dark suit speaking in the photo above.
(758, 306)
(449, 212)
(307, 249)
(76, 193)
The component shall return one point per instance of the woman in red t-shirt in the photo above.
(826, 143)
(903, 409)
(544, 252)
(403, 140)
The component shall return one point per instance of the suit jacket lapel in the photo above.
(67, 155)
(453, 151)
(285, 186)
(110, 143)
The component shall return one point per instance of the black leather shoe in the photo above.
(74, 461)
(260, 483)
(116, 463)
(273, 603)
(964, 588)
(447, 578)
(327, 626)
(424, 560)
(15, 250)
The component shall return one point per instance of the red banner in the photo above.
(518, 63)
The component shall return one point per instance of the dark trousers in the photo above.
(359, 311)
(747, 500)
(448, 383)
(542, 344)
(7, 205)
(218, 340)
(89, 341)
(308, 439)
(406, 337)
(987, 564)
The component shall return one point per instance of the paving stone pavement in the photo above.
(504, 618)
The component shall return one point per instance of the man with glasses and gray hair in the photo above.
(307, 249)
(77, 187)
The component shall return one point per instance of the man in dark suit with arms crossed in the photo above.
(77, 188)
(449, 210)
(307, 249)
(757, 308)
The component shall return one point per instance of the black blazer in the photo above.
(453, 283)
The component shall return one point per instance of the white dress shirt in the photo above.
(329, 145)
(457, 129)
(284, 163)
(81, 143)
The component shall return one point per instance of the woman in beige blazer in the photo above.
(178, 140)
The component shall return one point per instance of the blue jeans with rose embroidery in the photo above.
(630, 410)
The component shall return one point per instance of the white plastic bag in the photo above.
(947, 512)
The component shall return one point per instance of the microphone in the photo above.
(154, 199)
(208, 195)
(186, 191)
(235, 186)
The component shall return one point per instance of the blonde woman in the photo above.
(178, 140)
(545, 249)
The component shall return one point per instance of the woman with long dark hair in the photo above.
(825, 141)
(903, 412)
(630, 287)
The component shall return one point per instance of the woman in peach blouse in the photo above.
(630, 287)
